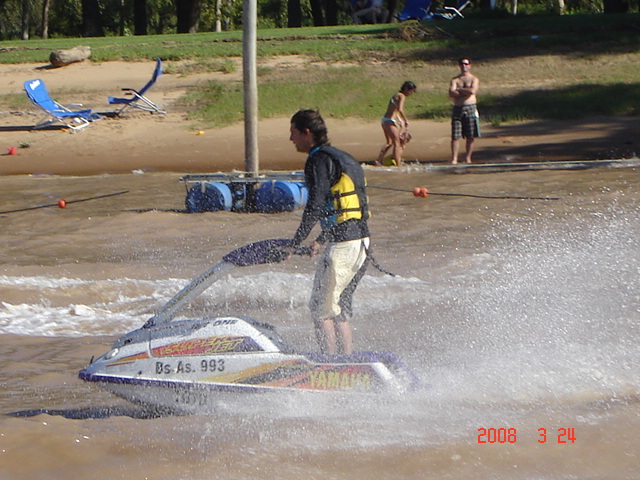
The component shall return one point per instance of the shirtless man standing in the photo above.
(465, 122)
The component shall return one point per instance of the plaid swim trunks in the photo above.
(465, 122)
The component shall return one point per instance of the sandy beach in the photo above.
(520, 314)
(171, 143)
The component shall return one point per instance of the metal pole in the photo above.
(249, 73)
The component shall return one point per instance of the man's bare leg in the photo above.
(455, 147)
(326, 335)
(329, 332)
(469, 149)
(345, 334)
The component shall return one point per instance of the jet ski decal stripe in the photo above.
(205, 346)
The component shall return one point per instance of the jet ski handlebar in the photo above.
(256, 253)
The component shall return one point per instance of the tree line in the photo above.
(25, 19)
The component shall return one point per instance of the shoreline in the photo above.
(150, 143)
(142, 142)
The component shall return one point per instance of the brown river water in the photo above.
(523, 316)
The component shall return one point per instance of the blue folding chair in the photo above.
(420, 10)
(137, 99)
(415, 10)
(73, 119)
(449, 12)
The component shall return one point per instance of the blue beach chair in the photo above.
(451, 12)
(73, 119)
(415, 10)
(137, 98)
(421, 10)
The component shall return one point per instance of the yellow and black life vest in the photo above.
(348, 198)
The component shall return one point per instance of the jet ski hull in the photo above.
(189, 365)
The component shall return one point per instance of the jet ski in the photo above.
(188, 365)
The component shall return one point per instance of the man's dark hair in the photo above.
(310, 119)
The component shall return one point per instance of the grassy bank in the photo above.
(530, 67)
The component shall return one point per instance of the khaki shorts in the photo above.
(337, 267)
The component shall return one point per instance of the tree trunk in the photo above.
(226, 20)
(331, 12)
(294, 14)
(487, 5)
(91, 22)
(316, 13)
(514, 7)
(616, 6)
(392, 5)
(561, 7)
(121, 20)
(44, 31)
(188, 15)
(218, 16)
(24, 20)
(140, 19)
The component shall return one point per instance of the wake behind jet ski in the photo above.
(188, 365)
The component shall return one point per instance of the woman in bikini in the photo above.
(395, 124)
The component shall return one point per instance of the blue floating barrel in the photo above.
(209, 197)
(279, 196)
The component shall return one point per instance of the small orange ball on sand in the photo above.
(62, 204)
(420, 192)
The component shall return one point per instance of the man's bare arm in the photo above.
(453, 89)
